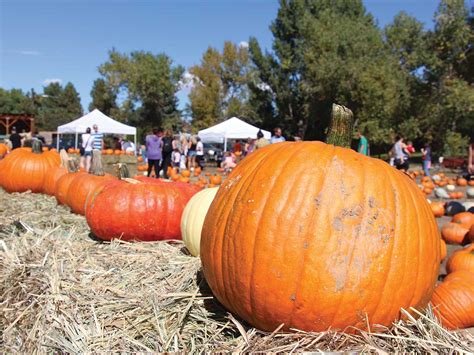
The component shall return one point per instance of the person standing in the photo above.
(153, 149)
(399, 150)
(277, 137)
(261, 140)
(199, 153)
(192, 153)
(167, 151)
(363, 147)
(98, 138)
(86, 151)
(470, 158)
(15, 139)
(426, 158)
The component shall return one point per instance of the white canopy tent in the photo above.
(104, 122)
(233, 128)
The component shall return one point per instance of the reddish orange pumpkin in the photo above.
(349, 242)
(63, 184)
(3, 150)
(461, 182)
(216, 179)
(462, 260)
(139, 211)
(453, 300)
(466, 219)
(454, 233)
(24, 170)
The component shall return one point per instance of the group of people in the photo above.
(162, 149)
(401, 152)
(18, 140)
(90, 141)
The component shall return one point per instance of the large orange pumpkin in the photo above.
(138, 211)
(83, 184)
(3, 150)
(462, 260)
(453, 300)
(314, 237)
(24, 170)
(64, 182)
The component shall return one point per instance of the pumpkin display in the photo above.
(193, 219)
(437, 208)
(25, 170)
(138, 211)
(50, 180)
(82, 184)
(347, 243)
(444, 250)
(454, 233)
(462, 260)
(453, 300)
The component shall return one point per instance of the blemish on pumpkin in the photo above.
(337, 224)
(371, 202)
(305, 245)
(293, 297)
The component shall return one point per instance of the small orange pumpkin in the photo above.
(454, 233)
(438, 209)
(185, 173)
(453, 300)
(461, 182)
(462, 260)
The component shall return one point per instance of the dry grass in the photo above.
(62, 291)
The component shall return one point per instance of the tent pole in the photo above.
(58, 136)
(75, 141)
(135, 135)
(225, 143)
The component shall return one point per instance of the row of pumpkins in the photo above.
(300, 235)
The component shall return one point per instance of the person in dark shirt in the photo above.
(15, 138)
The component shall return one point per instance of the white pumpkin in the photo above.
(441, 193)
(193, 218)
(468, 205)
(470, 192)
(450, 187)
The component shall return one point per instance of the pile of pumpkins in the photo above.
(444, 187)
(344, 246)
(453, 299)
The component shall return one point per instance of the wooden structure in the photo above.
(21, 122)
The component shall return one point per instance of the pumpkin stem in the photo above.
(72, 165)
(36, 146)
(64, 158)
(96, 164)
(121, 171)
(340, 128)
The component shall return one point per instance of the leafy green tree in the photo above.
(57, 106)
(103, 97)
(149, 84)
(14, 101)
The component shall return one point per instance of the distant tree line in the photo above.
(400, 79)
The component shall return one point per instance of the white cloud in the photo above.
(187, 82)
(244, 44)
(29, 52)
(48, 81)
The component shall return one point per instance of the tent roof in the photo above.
(105, 124)
(233, 128)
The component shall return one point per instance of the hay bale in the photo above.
(63, 291)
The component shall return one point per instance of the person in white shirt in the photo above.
(199, 152)
(86, 151)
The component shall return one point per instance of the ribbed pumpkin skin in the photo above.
(24, 170)
(462, 260)
(315, 236)
(193, 218)
(453, 300)
(79, 189)
(49, 186)
(62, 186)
(145, 212)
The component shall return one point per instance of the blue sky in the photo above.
(44, 40)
